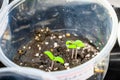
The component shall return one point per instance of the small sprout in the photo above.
(74, 45)
(71, 45)
(68, 34)
(79, 44)
(49, 54)
(53, 58)
(59, 59)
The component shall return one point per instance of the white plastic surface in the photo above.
(118, 33)
(29, 72)
(5, 3)
(116, 3)
(3, 11)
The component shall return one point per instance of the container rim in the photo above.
(4, 4)
(104, 52)
(118, 34)
(30, 72)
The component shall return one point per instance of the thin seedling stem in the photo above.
(72, 53)
(52, 64)
(76, 53)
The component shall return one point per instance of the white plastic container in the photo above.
(23, 73)
(115, 3)
(4, 3)
(94, 19)
(118, 33)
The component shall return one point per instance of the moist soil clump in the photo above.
(31, 54)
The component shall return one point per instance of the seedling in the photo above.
(54, 58)
(79, 44)
(70, 44)
(74, 45)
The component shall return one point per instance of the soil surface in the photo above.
(31, 54)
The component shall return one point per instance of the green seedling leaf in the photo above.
(49, 54)
(79, 44)
(70, 44)
(59, 59)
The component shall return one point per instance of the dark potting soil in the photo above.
(32, 53)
